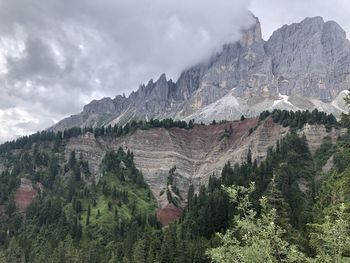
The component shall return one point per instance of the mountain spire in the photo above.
(252, 34)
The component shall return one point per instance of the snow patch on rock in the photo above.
(282, 98)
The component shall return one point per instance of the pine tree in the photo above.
(87, 220)
(89, 210)
(14, 253)
(249, 157)
(139, 251)
(345, 117)
(66, 251)
(168, 248)
(276, 201)
(72, 159)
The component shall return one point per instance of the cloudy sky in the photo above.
(57, 55)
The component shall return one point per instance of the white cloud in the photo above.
(16, 122)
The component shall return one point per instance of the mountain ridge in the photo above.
(301, 66)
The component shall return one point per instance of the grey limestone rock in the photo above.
(302, 66)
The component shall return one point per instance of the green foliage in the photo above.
(14, 253)
(143, 125)
(8, 182)
(345, 117)
(298, 119)
(71, 215)
(253, 238)
(335, 186)
(322, 155)
(342, 154)
(331, 239)
(227, 133)
(172, 191)
(26, 142)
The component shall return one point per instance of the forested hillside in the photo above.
(74, 218)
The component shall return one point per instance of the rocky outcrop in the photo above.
(197, 153)
(311, 59)
(328, 165)
(25, 194)
(315, 133)
(302, 66)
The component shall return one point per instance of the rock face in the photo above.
(25, 194)
(302, 66)
(197, 153)
(310, 59)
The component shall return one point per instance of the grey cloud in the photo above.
(60, 54)
(38, 60)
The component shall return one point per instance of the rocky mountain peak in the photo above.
(310, 27)
(161, 88)
(252, 34)
(333, 33)
(162, 78)
(104, 105)
(308, 57)
(302, 66)
(311, 21)
(150, 83)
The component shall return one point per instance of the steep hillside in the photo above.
(53, 210)
(302, 66)
(46, 198)
(196, 153)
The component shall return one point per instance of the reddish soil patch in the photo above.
(168, 214)
(25, 194)
(204, 138)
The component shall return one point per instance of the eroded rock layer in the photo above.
(197, 153)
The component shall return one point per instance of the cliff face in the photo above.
(302, 66)
(311, 59)
(196, 153)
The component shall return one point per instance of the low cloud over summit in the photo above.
(57, 55)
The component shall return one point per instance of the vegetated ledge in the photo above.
(115, 130)
(297, 119)
(294, 120)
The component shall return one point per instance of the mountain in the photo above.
(302, 66)
(277, 184)
(103, 195)
(193, 153)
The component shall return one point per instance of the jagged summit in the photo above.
(301, 66)
(252, 34)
